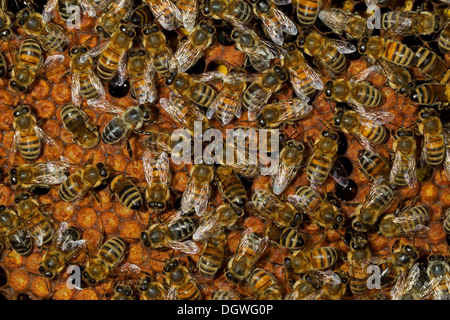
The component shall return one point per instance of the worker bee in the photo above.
(158, 177)
(438, 271)
(181, 284)
(68, 10)
(231, 187)
(275, 22)
(38, 175)
(141, 74)
(340, 21)
(66, 245)
(380, 197)
(159, 52)
(27, 135)
(444, 38)
(431, 64)
(166, 13)
(411, 23)
(434, 145)
(38, 223)
(335, 290)
(196, 91)
(29, 62)
(359, 259)
(172, 233)
(250, 248)
(286, 111)
(304, 79)
(228, 102)
(259, 52)
(404, 167)
(198, 190)
(386, 48)
(109, 21)
(130, 120)
(91, 176)
(213, 255)
(409, 220)
(16, 235)
(268, 205)
(291, 159)
(123, 291)
(109, 256)
(258, 93)
(77, 123)
(233, 11)
(225, 295)
(113, 53)
(141, 16)
(214, 223)
(307, 287)
(264, 285)
(415, 285)
(373, 165)
(320, 209)
(326, 52)
(127, 192)
(193, 48)
(184, 112)
(431, 94)
(286, 237)
(149, 289)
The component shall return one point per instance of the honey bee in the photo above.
(25, 71)
(189, 87)
(149, 289)
(259, 52)
(241, 264)
(264, 284)
(159, 52)
(380, 197)
(358, 258)
(291, 159)
(229, 10)
(373, 165)
(141, 16)
(123, 291)
(431, 64)
(231, 187)
(411, 23)
(198, 190)
(431, 94)
(66, 245)
(172, 234)
(130, 120)
(415, 285)
(409, 220)
(228, 102)
(434, 146)
(340, 21)
(326, 52)
(307, 287)
(110, 255)
(304, 79)
(225, 295)
(127, 192)
(142, 74)
(444, 38)
(438, 271)
(51, 36)
(38, 223)
(91, 176)
(16, 235)
(77, 123)
(268, 205)
(286, 111)
(166, 13)
(334, 290)
(182, 285)
(184, 112)
(320, 209)
(287, 237)
(212, 224)
(109, 21)
(385, 48)
(275, 22)
(68, 10)
(258, 93)
(27, 135)
(38, 175)
(404, 167)
(213, 256)
(113, 53)
(193, 48)
(158, 177)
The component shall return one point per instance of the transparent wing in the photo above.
(210, 226)
(87, 8)
(283, 176)
(274, 31)
(344, 47)
(372, 118)
(334, 19)
(411, 172)
(188, 246)
(402, 25)
(209, 76)
(446, 134)
(75, 89)
(189, 16)
(15, 143)
(298, 84)
(251, 243)
(186, 56)
(122, 69)
(54, 172)
(52, 62)
(281, 2)
(166, 13)
(327, 276)
(47, 13)
(147, 159)
(45, 137)
(364, 74)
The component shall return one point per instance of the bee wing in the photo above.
(274, 31)
(364, 74)
(374, 190)
(404, 282)
(372, 118)
(411, 173)
(261, 56)
(186, 57)
(75, 89)
(52, 62)
(45, 137)
(95, 51)
(218, 100)
(87, 8)
(54, 172)
(129, 268)
(298, 83)
(257, 246)
(188, 16)
(172, 111)
(327, 276)
(333, 19)
(167, 21)
(47, 13)
(15, 143)
(419, 228)
(147, 159)
(188, 246)
(344, 47)
(260, 98)
(149, 76)
(122, 69)
(283, 176)
(402, 26)
(210, 226)
(209, 76)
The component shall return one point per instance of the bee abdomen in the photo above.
(21, 242)
(398, 53)
(30, 147)
(113, 131)
(182, 229)
(318, 169)
(307, 11)
(435, 147)
(112, 251)
(108, 64)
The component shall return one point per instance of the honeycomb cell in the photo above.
(86, 217)
(19, 280)
(41, 287)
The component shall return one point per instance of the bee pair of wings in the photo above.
(52, 172)
(302, 202)
(84, 5)
(167, 14)
(283, 174)
(410, 174)
(196, 196)
(325, 277)
(210, 226)
(252, 243)
(298, 84)
(69, 246)
(379, 183)
(187, 53)
(160, 164)
(258, 206)
(337, 20)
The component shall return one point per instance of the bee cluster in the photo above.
(92, 94)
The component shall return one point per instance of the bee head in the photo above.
(362, 45)
(150, 29)
(22, 16)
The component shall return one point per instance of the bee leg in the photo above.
(129, 149)
(96, 197)
(192, 266)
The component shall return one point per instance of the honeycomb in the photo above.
(106, 218)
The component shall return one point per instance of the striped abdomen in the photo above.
(30, 54)
(161, 61)
(373, 165)
(307, 11)
(375, 134)
(241, 11)
(55, 39)
(430, 93)
(435, 149)
(290, 238)
(182, 229)
(40, 228)
(311, 200)
(322, 258)
(188, 291)
(29, 145)
(127, 192)
(367, 95)
(335, 60)
(398, 53)
(444, 39)
(431, 64)
(319, 167)
(108, 63)
(379, 202)
(66, 8)
(418, 215)
(213, 255)
(249, 98)
(72, 188)
(230, 186)
(87, 90)
(112, 251)
(114, 131)
(21, 241)
(202, 94)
